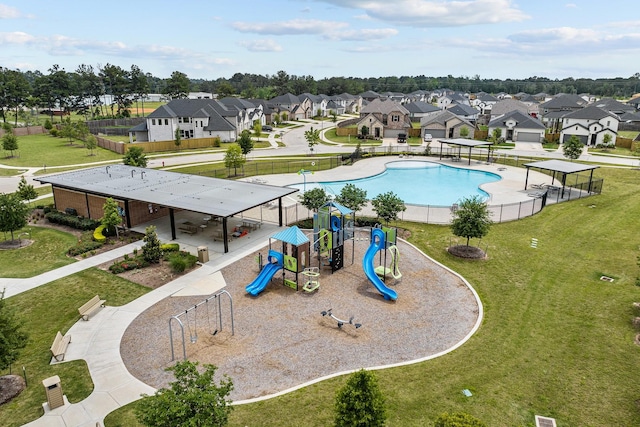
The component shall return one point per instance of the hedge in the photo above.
(77, 222)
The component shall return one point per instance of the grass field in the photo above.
(43, 149)
(46, 310)
(46, 253)
(555, 340)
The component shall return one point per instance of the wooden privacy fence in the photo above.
(122, 147)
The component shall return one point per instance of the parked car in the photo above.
(402, 137)
(267, 128)
(428, 137)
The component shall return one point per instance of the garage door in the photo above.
(582, 138)
(528, 137)
(436, 133)
(393, 133)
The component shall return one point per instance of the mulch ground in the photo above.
(281, 338)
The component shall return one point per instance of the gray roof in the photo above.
(590, 113)
(483, 96)
(630, 117)
(508, 105)
(287, 99)
(441, 118)
(613, 105)
(140, 127)
(523, 121)
(421, 107)
(192, 108)
(464, 142)
(560, 166)
(211, 196)
(463, 110)
(385, 107)
(563, 102)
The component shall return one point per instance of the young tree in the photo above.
(334, 116)
(151, 251)
(572, 149)
(13, 338)
(9, 142)
(352, 197)
(471, 218)
(496, 135)
(313, 137)
(360, 402)
(194, 399)
(606, 139)
(313, 199)
(257, 128)
(387, 206)
(26, 191)
(364, 130)
(285, 116)
(464, 132)
(111, 218)
(177, 138)
(68, 130)
(135, 157)
(233, 158)
(245, 142)
(90, 143)
(276, 118)
(13, 213)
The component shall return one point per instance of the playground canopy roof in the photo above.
(212, 196)
(291, 235)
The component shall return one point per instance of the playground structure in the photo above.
(341, 322)
(332, 227)
(294, 259)
(191, 317)
(382, 239)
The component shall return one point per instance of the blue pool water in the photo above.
(417, 183)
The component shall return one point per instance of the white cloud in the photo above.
(437, 13)
(571, 5)
(261, 46)
(295, 26)
(361, 35)
(8, 12)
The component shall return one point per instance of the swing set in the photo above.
(211, 309)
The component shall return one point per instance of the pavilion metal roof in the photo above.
(212, 196)
(560, 166)
(464, 142)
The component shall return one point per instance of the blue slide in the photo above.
(377, 243)
(276, 263)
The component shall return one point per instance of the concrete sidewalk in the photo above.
(16, 286)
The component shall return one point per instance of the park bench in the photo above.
(90, 306)
(59, 346)
(188, 227)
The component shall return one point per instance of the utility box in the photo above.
(52, 387)
(203, 254)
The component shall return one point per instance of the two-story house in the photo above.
(590, 125)
(384, 119)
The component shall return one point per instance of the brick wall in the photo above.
(70, 199)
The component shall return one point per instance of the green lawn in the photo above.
(43, 149)
(631, 134)
(11, 172)
(46, 310)
(555, 340)
(48, 252)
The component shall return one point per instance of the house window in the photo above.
(395, 118)
(166, 122)
(608, 123)
(153, 122)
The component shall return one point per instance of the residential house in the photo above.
(505, 106)
(553, 110)
(589, 124)
(419, 109)
(388, 118)
(318, 104)
(518, 126)
(293, 106)
(484, 102)
(465, 111)
(613, 106)
(450, 98)
(196, 118)
(445, 124)
(369, 95)
(248, 111)
(503, 95)
(635, 102)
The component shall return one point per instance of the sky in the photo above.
(210, 39)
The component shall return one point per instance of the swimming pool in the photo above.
(417, 183)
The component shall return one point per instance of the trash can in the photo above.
(203, 254)
(52, 387)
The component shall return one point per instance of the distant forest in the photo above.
(80, 90)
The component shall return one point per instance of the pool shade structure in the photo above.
(139, 189)
(563, 169)
(469, 143)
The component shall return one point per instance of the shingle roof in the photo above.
(385, 107)
(523, 121)
(564, 101)
(590, 113)
(508, 105)
(420, 107)
(463, 110)
(441, 118)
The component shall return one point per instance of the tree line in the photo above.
(83, 90)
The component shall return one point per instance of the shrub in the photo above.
(170, 247)
(83, 247)
(54, 132)
(180, 261)
(127, 264)
(178, 264)
(76, 222)
(98, 236)
(458, 419)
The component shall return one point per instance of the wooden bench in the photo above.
(59, 346)
(90, 306)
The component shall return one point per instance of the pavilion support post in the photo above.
(526, 180)
(127, 215)
(469, 155)
(225, 235)
(590, 182)
(280, 211)
(172, 222)
(440, 150)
